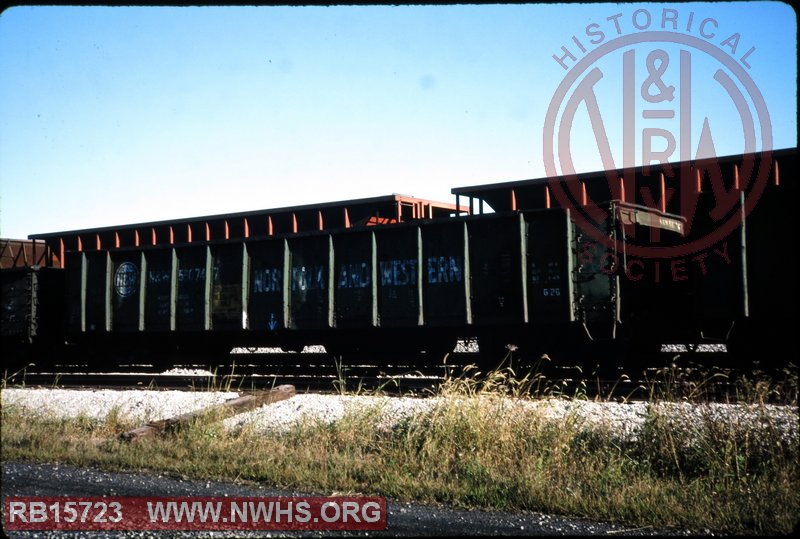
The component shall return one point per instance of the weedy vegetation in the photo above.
(484, 444)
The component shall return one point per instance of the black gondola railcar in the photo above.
(413, 275)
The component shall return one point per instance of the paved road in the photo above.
(404, 519)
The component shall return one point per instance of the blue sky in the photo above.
(114, 115)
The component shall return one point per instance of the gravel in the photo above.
(137, 405)
(403, 518)
(625, 421)
(327, 408)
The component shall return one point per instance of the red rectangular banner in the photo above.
(194, 513)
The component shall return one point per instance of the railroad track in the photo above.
(312, 371)
(210, 382)
(322, 372)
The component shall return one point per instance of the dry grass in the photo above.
(468, 450)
